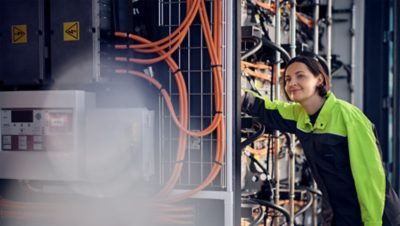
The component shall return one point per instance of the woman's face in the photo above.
(301, 84)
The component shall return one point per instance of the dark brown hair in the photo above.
(316, 67)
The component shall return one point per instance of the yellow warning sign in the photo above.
(19, 34)
(71, 31)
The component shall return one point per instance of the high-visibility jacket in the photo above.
(344, 157)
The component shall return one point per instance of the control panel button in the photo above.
(7, 140)
(38, 116)
(22, 142)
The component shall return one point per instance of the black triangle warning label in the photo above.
(71, 31)
(19, 34)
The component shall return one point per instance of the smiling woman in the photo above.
(339, 142)
(306, 82)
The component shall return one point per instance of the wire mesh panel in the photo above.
(194, 62)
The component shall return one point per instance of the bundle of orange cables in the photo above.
(165, 47)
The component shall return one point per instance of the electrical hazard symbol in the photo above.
(71, 31)
(19, 34)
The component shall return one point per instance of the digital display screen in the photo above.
(22, 116)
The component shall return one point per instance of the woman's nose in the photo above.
(291, 82)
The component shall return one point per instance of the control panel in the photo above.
(36, 129)
(42, 134)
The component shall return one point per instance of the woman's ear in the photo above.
(320, 80)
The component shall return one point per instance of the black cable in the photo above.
(254, 136)
(258, 45)
(288, 139)
(250, 140)
(252, 86)
(257, 163)
(317, 192)
(262, 23)
(284, 54)
(259, 218)
(336, 71)
(324, 64)
(275, 207)
(305, 207)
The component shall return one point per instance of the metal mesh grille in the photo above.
(194, 62)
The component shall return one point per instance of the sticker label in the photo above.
(71, 31)
(19, 34)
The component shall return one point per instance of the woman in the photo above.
(339, 143)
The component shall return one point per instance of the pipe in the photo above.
(316, 27)
(353, 50)
(277, 95)
(292, 166)
(314, 211)
(308, 205)
(293, 28)
(329, 35)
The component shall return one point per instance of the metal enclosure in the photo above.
(21, 42)
(59, 135)
(73, 56)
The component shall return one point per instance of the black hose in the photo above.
(259, 218)
(285, 55)
(254, 136)
(252, 85)
(253, 50)
(305, 207)
(336, 71)
(257, 163)
(324, 64)
(250, 140)
(317, 192)
(275, 207)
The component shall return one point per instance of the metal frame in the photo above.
(96, 38)
(186, 55)
(227, 188)
(329, 35)
(396, 100)
(375, 90)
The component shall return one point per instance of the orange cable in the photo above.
(305, 20)
(218, 102)
(219, 156)
(187, 20)
(267, 6)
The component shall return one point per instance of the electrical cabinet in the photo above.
(21, 42)
(73, 41)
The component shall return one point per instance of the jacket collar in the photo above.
(304, 122)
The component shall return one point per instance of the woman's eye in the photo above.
(287, 79)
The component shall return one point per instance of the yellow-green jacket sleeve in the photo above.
(366, 167)
(274, 114)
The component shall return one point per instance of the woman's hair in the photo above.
(316, 66)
